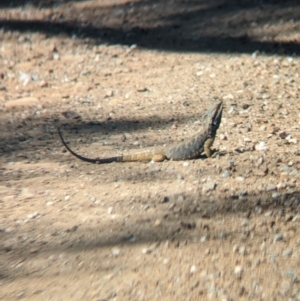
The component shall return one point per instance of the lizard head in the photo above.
(215, 116)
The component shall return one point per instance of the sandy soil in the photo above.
(122, 76)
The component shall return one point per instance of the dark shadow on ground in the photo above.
(191, 217)
(200, 26)
(35, 3)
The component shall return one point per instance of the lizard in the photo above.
(190, 148)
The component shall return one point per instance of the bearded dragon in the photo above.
(190, 148)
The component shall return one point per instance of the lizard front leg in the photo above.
(207, 147)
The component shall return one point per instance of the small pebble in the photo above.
(255, 54)
(222, 235)
(261, 146)
(151, 248)
(166, 261)
(157, 223)
(263, 128)
(223, 137)
(291, 274)
(269, 213)
(278, 237)
(243, 192)
(265, 96)
(109, 93)
(286, 168)
(193, 269)
(245, 223)
(271, 187)
(281, 185)
(209, 187)
(115, 251)
(225, 174)
(293, 140)
(238, 271)
(260, 161)
(33, 250)
(296, 218)
(43, 84)
(282, 134)
(146, 251)
(287, 252)
(276, 195)
(55, 56)
(24, 78)
(32, 216)
(242, 250)
(240, 179)
(235, 249)
(165, 199)
(228, 96)
(203, 239)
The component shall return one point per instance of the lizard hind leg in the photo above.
(158, 158)
(142, 157)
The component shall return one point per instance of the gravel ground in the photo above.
(122, 76)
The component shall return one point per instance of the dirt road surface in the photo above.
(121, 76)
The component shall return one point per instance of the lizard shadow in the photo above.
(32, 133)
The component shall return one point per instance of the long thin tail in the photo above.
(94, 161)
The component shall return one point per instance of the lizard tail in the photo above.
(90, 160)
